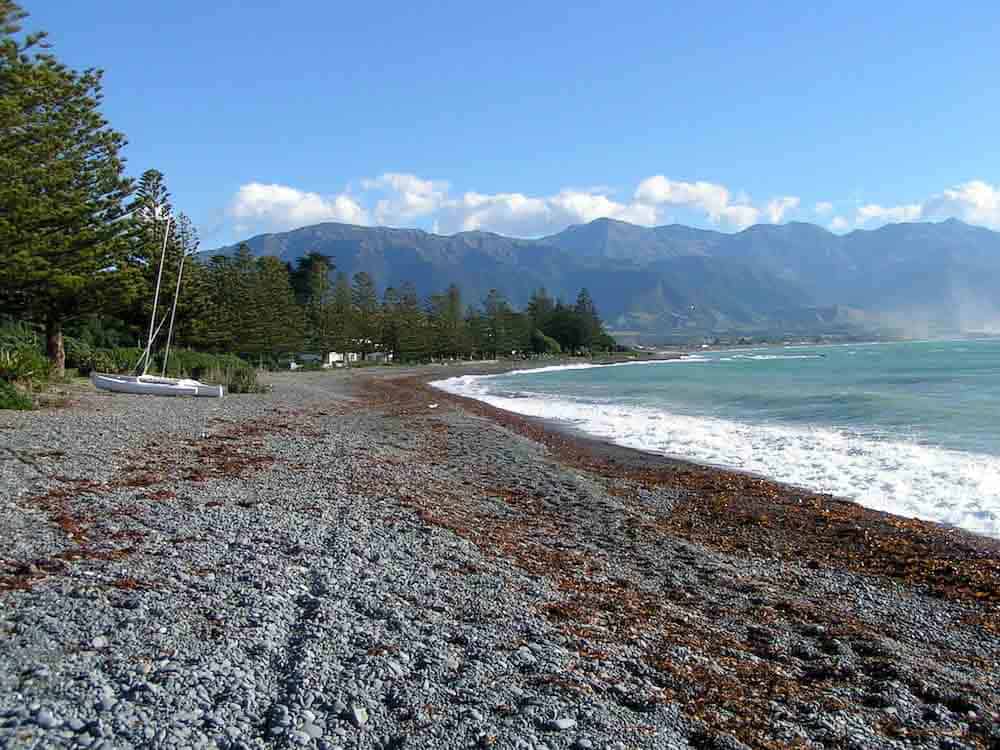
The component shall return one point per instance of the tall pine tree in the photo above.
(367, 325)
(62, 188)
(277, 319)
(314, 292)
(343, 332)
(413, 344)
(449, 334)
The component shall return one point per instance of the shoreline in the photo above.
(336, 565)
(940, 545)
(674, 460)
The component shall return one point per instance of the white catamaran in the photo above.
(153, 385)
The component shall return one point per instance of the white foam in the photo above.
(579, 366)
(762, 357)
(935, 484)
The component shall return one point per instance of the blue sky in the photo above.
(525, 117)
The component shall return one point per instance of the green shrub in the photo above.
(240, 379)
(229, 370)
(97, 360)
(24, 365)
(12, 398)
(18, 335)
(126, 359)
(78, 354)
(186, 363)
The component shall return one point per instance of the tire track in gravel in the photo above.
(297, 662)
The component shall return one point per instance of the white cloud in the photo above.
(740, 216)
(277, 207)
(976, 202)
(839, 224)
(515, 213)
(708, 197)
(584, 206)
(521, 215)
(874, 213)
(402, 199)
(778, 207)
(411, 196)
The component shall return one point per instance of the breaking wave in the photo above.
(887, 474)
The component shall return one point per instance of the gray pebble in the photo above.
(358, 715)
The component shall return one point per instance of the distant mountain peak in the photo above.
(646, 278)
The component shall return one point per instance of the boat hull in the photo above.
(148, 385)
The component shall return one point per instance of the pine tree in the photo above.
(479, 340)
(232, 284)
(342, 319)
(391, 321)
(449, 332)
(499, 336)
(62, 188)
(412, 340)
(588, 322)
(366, 310)
(313, 291)
(191, 303)
(278, 321)
(540, 308)
(151, 216)
(562, 326)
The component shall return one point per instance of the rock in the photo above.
(99, 642)
(46, 719)
(358, 715)
(312, 730)
(396, 668)
(281, 715)
(561, 725)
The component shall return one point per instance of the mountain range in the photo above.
(677, 280)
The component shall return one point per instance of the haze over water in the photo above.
(910, 428)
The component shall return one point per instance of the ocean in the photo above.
(911, 428)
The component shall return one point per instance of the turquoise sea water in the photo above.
(912, 428)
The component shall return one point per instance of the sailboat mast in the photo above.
(173, 312)
(156, 296)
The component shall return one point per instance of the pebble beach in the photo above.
(357, 560)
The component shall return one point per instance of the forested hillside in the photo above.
(674, 278)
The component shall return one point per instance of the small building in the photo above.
(339, 359)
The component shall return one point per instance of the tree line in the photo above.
(262, 307)
(80, 248)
